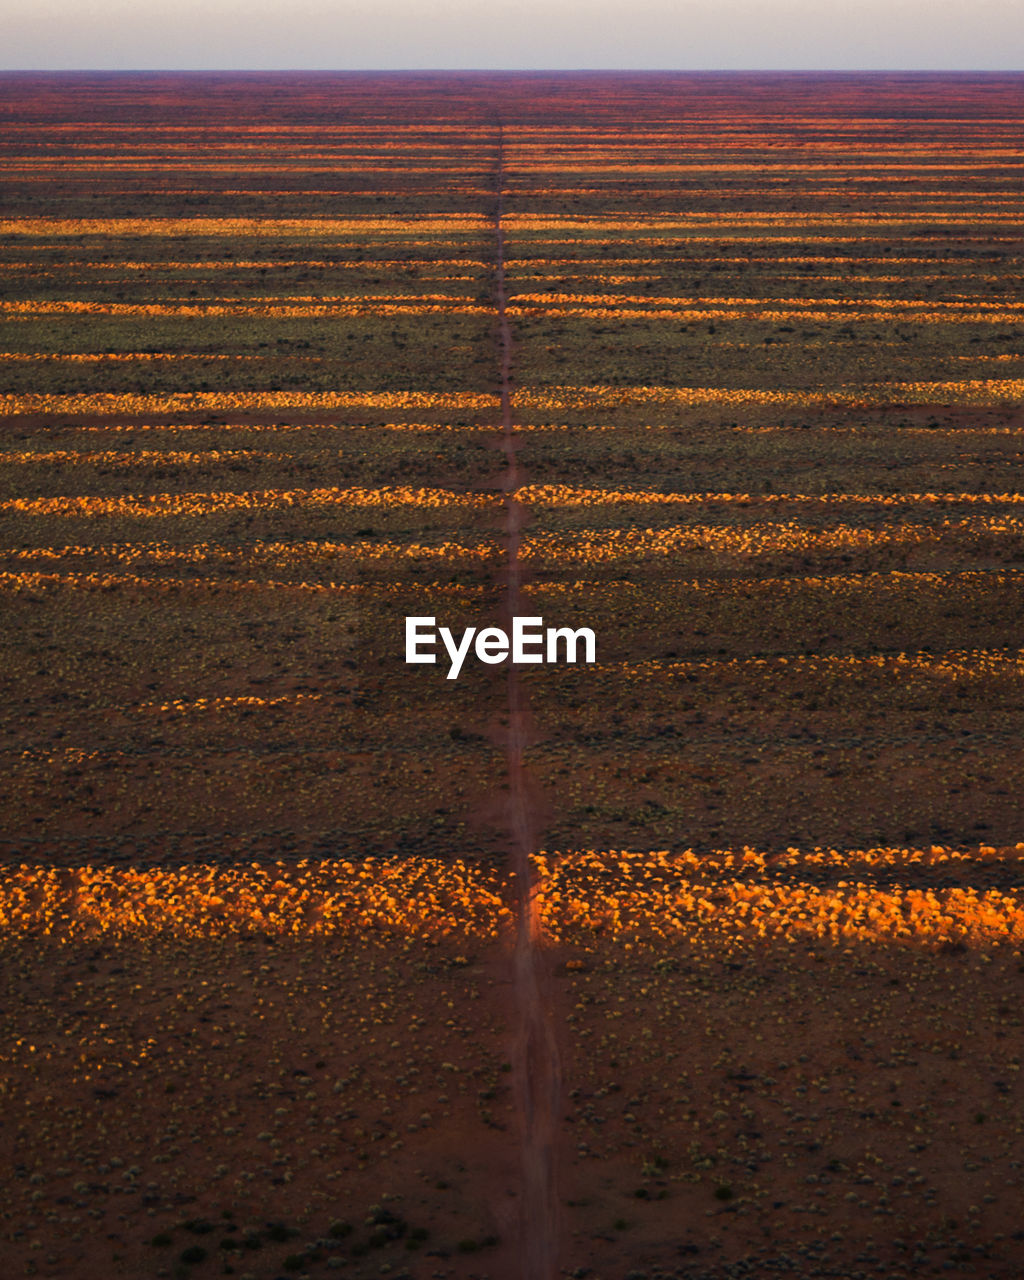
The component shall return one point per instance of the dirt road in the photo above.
(536, 1061)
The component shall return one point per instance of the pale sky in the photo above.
(514, 34)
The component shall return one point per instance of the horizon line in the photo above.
(850, 71)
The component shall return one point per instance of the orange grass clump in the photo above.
(418, 226)
(278, 554)
(727, 897)
(324, 898)
(602, 547)
(244, 401)
(200, 504)
(570, 495)
(137, 458)
(976, 392)
(732, 896)
(297, 307)
(111, 581)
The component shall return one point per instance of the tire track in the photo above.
(536, 1058)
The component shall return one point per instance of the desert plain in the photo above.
(700, 961)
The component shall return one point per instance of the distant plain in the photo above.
(768, 365)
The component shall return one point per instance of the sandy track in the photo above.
(536, 1059)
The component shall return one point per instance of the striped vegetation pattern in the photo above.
(769, 362)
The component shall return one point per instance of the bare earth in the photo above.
(702, 961)
(298, 1106)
